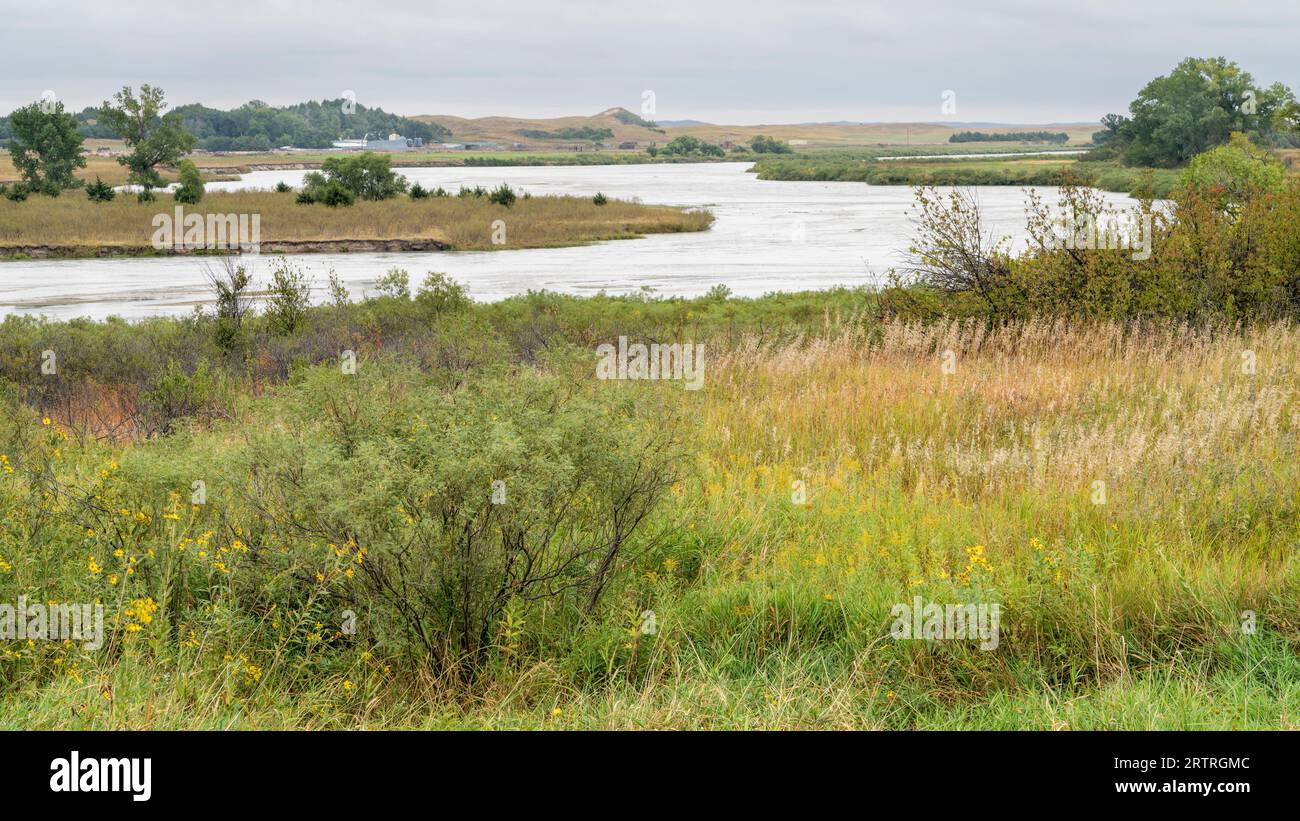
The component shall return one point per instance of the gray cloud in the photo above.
(757, 61)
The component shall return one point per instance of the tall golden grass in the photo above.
(463, 222)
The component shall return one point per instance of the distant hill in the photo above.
(616, 125)
(613, 125)
(847, 135)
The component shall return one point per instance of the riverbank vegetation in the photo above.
(1198, 106)
(406, 509)
(854, 166)
(73, 225)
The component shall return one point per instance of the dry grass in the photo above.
(965, 484)
(106, 168)
(463, 223)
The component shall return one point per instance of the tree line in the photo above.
(259, 126)
(1009, 136)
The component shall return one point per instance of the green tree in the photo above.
(290, 297)
(1235, 173)
(682, 146)
(1194, 108)
(369, 176)
(190, 190)
(317, 188)
(100, 191)
(770, 145)
(154, 139)
(46, 147)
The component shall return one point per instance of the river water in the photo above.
(768, 236)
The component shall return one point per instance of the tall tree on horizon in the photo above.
(46, 147)
(154, 139)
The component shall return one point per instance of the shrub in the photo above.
(367, 176)
(230, 285)
(418, 192)
(290, 297)
(769, 145)
(1235, 173)
(503, 195)
(17, 192)
(283, 187)
(190, 191)
(339, 295)
(176, 394)
(600, 199)
(440, 294)
(397, 476)
(100, 191)
(396, 283)
(318, 189)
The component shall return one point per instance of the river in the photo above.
(769, 236)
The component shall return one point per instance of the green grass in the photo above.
(772, 611)
(870, 167)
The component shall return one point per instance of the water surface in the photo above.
(769, 235)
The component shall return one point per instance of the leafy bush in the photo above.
(769, 145)
(418, 192)
(100, 191)
(440, 294)
(190, 190)
(502, 195)
(367, 176)
(318, 189)
(1235, 173)
(283, 187)
(1197, 261)
(230, 284)
(177, 394)
(290, 297)
(396, 283)
(395, 476)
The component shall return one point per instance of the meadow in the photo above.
(838, 461)
(76, 225)
(413, 510)
(868, 167)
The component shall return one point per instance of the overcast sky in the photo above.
(718, 60)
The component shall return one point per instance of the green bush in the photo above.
(190, 190)
(330, 192)
(503, 195)
(290, 297)
(440, 294)
(511, 491)
(396, 283)
(100, 191)
(366, 176)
